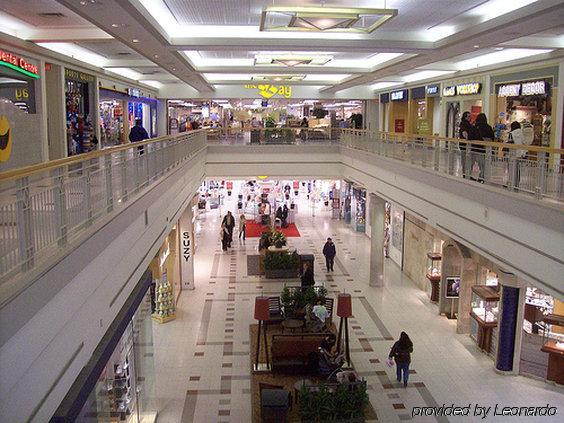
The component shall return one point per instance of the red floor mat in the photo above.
(254, 230)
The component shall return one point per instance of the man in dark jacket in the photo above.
(229, 223)
(329, 252)
(138, 133)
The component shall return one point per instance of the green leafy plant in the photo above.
(280, 261)
(339, 404)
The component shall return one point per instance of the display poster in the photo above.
(423, 127)
(359, 209)
(186, 249)
(396, 235)
(452, 286)
(399, 125)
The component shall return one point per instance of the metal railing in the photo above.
(526, 169)
(43, 207)
(281, 135)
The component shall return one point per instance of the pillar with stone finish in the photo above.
(377, 221)
(508, 324)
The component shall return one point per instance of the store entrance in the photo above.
(453, 119)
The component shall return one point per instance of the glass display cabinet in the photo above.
(553, 344)
(434, 274)
(485, 307)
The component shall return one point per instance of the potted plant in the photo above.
(278, 239)
(281, 265)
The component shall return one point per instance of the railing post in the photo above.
(109, 182)
(540, 189)
(436, 154)
(123, 175)
(87, 196)
(450, 158)
(512, 169)
(488, 164)
(24, 223)
(413, 153)
(60, 206)
(467, 168)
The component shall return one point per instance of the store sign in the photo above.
(469, 88)
(186, 246)
(19, 64)
(268, 91)
(78, 76)
(533, 88)
(432, 90)
(133, 92)
(449, 91)
(398, 95)
(511, 90)
(5, 139)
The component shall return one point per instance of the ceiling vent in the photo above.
(51, 15)
(124, 53)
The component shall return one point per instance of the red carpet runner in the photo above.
(254, 230)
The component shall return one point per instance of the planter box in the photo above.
(351, 420)
(281, 273)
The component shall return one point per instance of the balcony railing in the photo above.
(43, 207)
(531, 170)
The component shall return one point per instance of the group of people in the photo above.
(227, 227)
(282, 214)
(480, 130)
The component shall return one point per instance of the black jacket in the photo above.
(401, 355)
(138, 133)
(482, 133)
(307, 278)
(329, 250)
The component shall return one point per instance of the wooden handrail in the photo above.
(404, 138)
(53, 164)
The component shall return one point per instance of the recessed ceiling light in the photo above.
(156, 56)
(115, 25)
(498, 48)
(83, 3)
(135, 40)
(173, 68)
(476, 46)
(324, 19)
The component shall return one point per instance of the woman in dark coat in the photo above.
(307, 276)
(401, 353)
(483, 132)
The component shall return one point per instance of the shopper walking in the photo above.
(329, 252)
(242, 227)
(465, 131)
(229, 223)
(401, 353)
(483, 132)
(137, 134)
(224, 236)
(516, 136)
(307, 276)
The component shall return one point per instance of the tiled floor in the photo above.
(202, 361)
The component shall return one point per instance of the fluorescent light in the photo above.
(370, 62)
(326, 77)
(382, 85)
(76, 52)
(199, 62)
(126, 72)
(494, 8)
(502, 56)
(418, 76)
(11, 25)
(154, 84)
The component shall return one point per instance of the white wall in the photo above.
(45, 356)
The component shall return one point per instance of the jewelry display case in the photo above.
(434, 274)
(553, 344)
(485, 308)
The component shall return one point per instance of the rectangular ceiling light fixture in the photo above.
(324, 19)
(278, 78)
(292, 60)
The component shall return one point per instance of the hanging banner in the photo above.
(186, 249)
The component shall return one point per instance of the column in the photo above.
(377, 219)
(162, 117)
(510, 321)
(186, 249)
(56, 111)
(372, 115)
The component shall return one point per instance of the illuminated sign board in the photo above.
(268, 91)
(19, 64)
(398, 95)
(533, 88)
(432, 90)
(133, 92)
(449, 91)
(511, 90)
(469, 88)
(78, 76)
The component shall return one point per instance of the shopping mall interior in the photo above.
(281, 211)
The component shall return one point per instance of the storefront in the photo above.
(459, 97)
(167, 280)
(118, 112)
(358, 208)
(118, 384)
(395, 233)
(79, 99)
(396, 111)
(527, 101)
(542, 342)
(20, 117)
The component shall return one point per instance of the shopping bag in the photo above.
(390, 362)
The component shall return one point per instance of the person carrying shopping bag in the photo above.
(401, 354)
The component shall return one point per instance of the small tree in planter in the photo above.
(281, 265)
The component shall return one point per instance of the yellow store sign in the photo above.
(268, 91)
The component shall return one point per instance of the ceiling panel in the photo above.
(111, 49)
(238, 54)
(413, 14)
(30, 11)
